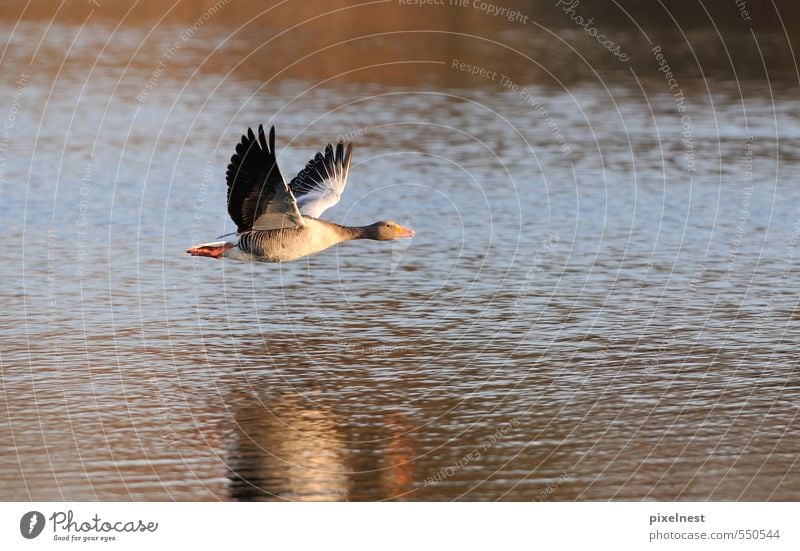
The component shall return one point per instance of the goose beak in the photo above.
(400, 231)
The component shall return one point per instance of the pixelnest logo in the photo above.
(31, 524)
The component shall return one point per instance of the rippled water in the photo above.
(586, 317)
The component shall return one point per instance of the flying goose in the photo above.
(276, 222)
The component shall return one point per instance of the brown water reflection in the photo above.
(322, 42)
(579, 317)
(289, 448)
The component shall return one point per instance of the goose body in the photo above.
(285, 244)
(279, 222)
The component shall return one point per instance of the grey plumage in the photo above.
(277, 222)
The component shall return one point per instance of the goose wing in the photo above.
(321, 183)
(258, 197)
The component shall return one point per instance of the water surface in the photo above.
(592, 308)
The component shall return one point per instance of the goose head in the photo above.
(386, 230)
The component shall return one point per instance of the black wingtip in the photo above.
(272, 138)
(261, 138)
(339, 159)
(348, 155)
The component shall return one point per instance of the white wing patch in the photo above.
(321, 183)
(316, 202)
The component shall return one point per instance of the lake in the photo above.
(600, 303)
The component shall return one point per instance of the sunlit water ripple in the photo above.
(602, 325)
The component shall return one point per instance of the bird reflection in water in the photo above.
(296, 449)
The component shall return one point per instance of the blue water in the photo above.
(586, 317)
